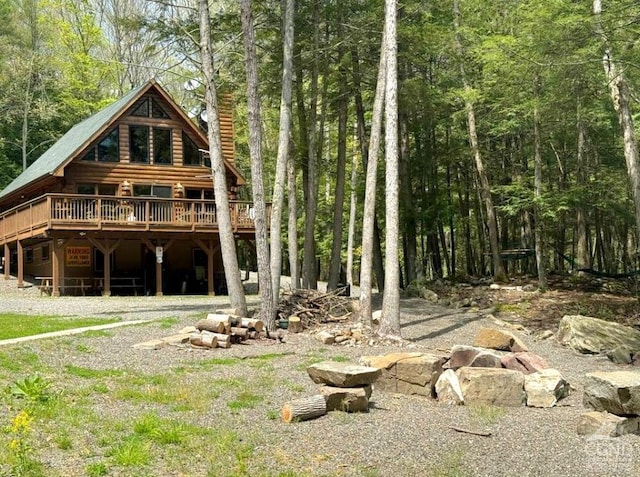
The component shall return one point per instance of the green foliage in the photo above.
(14, 325)
(33, 388)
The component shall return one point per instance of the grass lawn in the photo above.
(16, 326)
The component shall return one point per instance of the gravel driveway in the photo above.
(400, 436)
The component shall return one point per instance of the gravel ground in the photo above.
(400, 436)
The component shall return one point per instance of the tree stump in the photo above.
(295, 324)
(304, 409)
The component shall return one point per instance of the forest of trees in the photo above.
(516, 149)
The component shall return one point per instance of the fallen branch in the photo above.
(467, 431)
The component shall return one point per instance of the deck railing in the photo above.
(61, 211)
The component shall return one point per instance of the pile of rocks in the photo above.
(497, 370)
(615, 400)
(343, 387)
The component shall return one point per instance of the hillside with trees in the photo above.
(516, 149)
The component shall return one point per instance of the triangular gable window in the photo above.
(157, 111)
(142, 109)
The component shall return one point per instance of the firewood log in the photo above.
(252, 324)
(304, 409)
(205, 338)
(242, 333)
(224, 340)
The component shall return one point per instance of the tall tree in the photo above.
(483, 181)
(621, 98)
(227, 240)
(390, 320)
(283, 147)
(368, 215)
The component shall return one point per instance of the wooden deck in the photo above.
(53, 212)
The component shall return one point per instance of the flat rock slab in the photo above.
(342, 375)
(407, 373)
(596, 423)
(499, 339)
(545, 388)
(589, 335)
(617, 392)
(346, 399)
(498, 387)
(462, 355)
(526, 362)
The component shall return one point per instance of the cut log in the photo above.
(205, 338)
(295, 324)
(242, 333)
(224, 340)
(215, 323)
(252, 324)
(253, 335)
(304, 409)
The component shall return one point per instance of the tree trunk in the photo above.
(537, 186)
(283, 149)
(620, 97)
(268, 303)
(338, 210)
(227, 241)
(294, 267)
(390, 319)
(309, 265)
(409, 216)
(378, 265)
(483, 182)
(368, 219)
(583, 258)
(352, 220)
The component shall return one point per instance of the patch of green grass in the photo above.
(519, 307)
(83, 348)
(160, 431)
(97, 469)
(485, 413)
(268, 356)
(98, 333)
(314, 357)
(131, 452)
(15, 326)
(296, 387)
(273, 414)
(89, 373)
(63, 440)
(244, 400)
(165, 323)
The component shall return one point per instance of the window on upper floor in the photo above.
(108, 150)
(191, 155)
(139, 143)
(150, 108)
(86, 189)
(142, 139)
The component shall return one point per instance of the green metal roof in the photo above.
(70, 143)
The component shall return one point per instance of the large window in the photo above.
(162, 146)
(143, 137)
(108, 150)
(190, 153)
(139, 143)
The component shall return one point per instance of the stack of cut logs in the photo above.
(220, 330)
(344, 387)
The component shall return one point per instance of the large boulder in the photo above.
(596, 423)
(617, 392)
(448, 388)
(545, 388)
(526, 362)
(342, 375)
(407, 373)
(499, 339)
(590, 335)
(462, 355)
(499, 387)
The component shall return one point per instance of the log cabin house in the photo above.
(123, 203)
